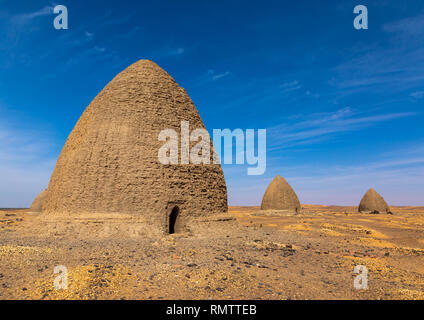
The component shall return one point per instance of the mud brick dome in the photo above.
(37, 204)
(110, 161)
(373, 202)
(280, 196)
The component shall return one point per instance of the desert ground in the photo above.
(246, 254)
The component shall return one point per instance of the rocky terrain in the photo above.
(248, 254)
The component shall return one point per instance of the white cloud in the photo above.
(409, 26)
(172, 52)
(417, 94)
(399, 180)
(290, 86)
(221, 75)
(319, 125)
(99, 49)
(24, 18)
(27, 159)
(213, 75)
(392, 63)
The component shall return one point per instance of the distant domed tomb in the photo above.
(280, 196)
(373, 202)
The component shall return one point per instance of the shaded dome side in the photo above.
(37, 204)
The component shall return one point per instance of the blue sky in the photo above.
(342, 107)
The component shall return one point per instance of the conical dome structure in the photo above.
(110, 164)
(37, 204)
(280, 196)
(372, 201)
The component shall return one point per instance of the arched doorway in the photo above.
(173, 216)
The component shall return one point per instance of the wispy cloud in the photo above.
(27, 160)
(407, 27)
(167, 52)
(396, 179)
(24, 18)
(22, 146)
(221, 75)
(216, 76)
(99, 49)
(12, 25)
(320, 125)
(417, 94)
(290, 86)
(76, 38)
(392, 63)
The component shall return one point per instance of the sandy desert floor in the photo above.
(250, 255)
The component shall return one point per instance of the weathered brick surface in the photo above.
(280, 196)
(110, 161)
(37, 204)
(372, 201)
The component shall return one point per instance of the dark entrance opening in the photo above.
(173, 219)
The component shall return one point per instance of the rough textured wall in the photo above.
(37, 204)
(372, 201)
(110, 161)
(280, 196)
